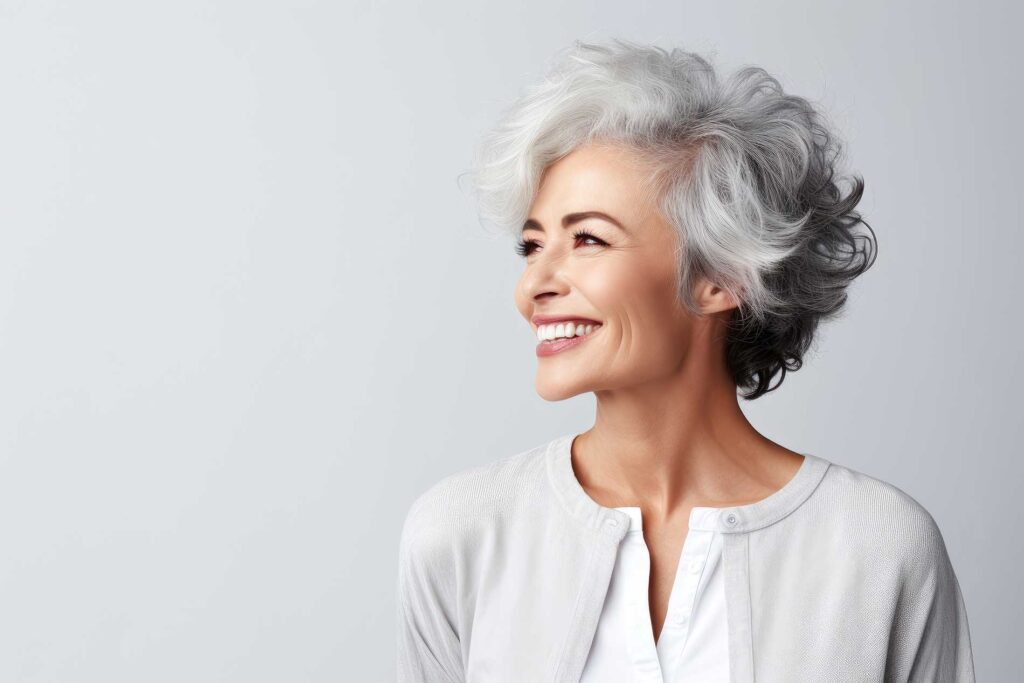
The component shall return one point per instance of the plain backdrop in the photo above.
(247, 312)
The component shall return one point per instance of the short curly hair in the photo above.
(745, 172)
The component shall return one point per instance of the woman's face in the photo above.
(622, 277)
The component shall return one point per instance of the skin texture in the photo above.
(669, 433)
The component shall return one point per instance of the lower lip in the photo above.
(550, 348)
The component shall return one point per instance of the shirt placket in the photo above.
(682, 600)
(640, 639)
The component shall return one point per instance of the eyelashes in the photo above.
(526, 247)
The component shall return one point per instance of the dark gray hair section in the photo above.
(747, 174)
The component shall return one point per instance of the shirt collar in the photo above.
(736, 519)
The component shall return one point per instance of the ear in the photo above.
(713, 298)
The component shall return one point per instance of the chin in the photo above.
(558, 391)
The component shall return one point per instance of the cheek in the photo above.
(611, 289)
(640, 292)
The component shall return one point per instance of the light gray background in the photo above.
(247, 313)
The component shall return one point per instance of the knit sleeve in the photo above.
(428, 641)
(931, 639)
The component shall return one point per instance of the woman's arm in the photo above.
(429, 650)
(931, 639)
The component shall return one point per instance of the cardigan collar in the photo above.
(614, 524)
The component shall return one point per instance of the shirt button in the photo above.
(731, 519)
(612, 522)
(695, 567)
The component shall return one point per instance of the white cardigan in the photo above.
(503, 569)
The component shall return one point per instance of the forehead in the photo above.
(594, 176)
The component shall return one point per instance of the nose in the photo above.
(544, 278)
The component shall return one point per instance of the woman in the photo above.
(682, 237)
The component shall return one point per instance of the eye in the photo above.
(583, 234)
(526, 247)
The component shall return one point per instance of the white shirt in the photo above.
(694, 642)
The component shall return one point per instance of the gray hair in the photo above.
(744, 172)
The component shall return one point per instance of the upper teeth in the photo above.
(566, 329)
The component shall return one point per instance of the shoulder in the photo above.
(454, 507)
(884, 516)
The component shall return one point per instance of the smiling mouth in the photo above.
(550, 347)
(547, 333)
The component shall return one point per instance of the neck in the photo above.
(674, 444)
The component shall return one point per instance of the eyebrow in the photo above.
(570, 218)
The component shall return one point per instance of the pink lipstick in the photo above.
(550, 348)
